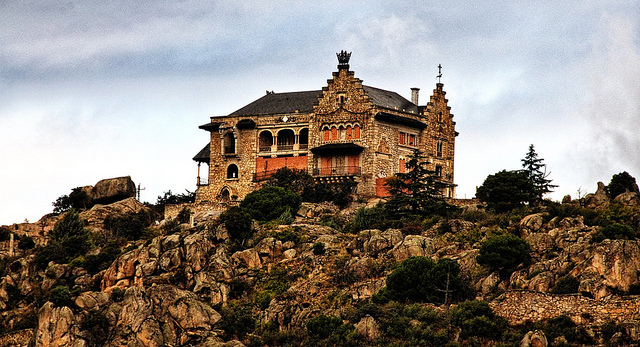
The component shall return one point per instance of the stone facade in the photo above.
(345, 131)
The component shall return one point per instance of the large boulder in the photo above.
(599, 200)
(57, 326)
(113, 189)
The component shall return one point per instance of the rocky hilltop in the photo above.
(315, 281)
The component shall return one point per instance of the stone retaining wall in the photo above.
(518, 307)
(172, 211)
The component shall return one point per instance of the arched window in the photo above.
(229, 143)
(225, 195)
(356, 131)
(266, 140)
(286, 139)
(439, 149)
(349, 132)
(326, 133)
(341, 132)
(232, 171)
(334, 133)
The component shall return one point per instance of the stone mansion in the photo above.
(347, 130)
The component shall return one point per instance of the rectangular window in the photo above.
(412, 140)
(402, 167)
(401, 139)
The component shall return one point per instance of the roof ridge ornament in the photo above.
(343, 59)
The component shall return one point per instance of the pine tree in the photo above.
(417, 191)
(537, 172)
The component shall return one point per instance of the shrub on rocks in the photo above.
(269, 203)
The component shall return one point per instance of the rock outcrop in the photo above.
(113, 189)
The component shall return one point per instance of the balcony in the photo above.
(337, 171)
(202, 181)
(266, 148)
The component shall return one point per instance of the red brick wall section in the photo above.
(268, 164)
(381, 190)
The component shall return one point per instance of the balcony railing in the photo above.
(203, 181)
(285, 147)
(265, 148)
(338, 171)
(303, 146)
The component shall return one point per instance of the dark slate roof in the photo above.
(389, 99)
(280, 103)
(211, 126)
(203, 155)
(277, 103)
(392, 118)
(337, 148)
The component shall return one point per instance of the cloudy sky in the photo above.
(99, 89)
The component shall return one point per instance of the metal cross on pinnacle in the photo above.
(439, 72)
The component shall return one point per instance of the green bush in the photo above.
(613, 232)
(129, 225)
(506, 190)
(101, 261)
(26, 242)
(420, 279)
(566, 285)
(564, 326)
(289, 234)
(269, 203)
(69, 239)
(238, 222)
(286, 217)
(322, 325)
(504, 252)
(620, 183)
(237, 321)
(301, 183)
(476, 319)
(367, 218)
(61, 296)
(77, 199)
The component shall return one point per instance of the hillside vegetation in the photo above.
(278, 270)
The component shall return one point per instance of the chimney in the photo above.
(414, 95)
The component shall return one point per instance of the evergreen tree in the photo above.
(418, 191)
(506, 190)
(537, 172)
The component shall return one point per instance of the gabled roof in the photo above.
(392, 118)
(389, 99)
(203, 155)
(274, 103)
(278, 103)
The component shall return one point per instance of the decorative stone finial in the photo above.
(343, 59)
